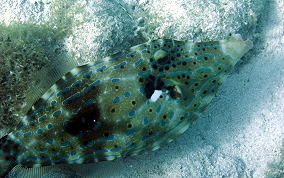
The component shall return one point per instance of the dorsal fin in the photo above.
(46, 77)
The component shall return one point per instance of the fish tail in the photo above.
(9, 151)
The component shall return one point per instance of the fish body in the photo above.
(129, 103)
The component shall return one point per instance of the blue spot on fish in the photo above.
(97, 126)
(91, 143)
(116, 149)
(115, 80)
(202, 69)
(107, 139)
(116, 99)
(131, 113)
(47, 109)
(89, 102)
(172, 113)
(80, 134)
(70, 98)
(163, 123)
(39, 131)
(56, 113)
(76, 83)
(49, 126)
(45, 159)
(101, 151)
(55, 153)
(146, 121)
(65, 143)
(130, 132)
(142, 91)
(217, 63)
(93, 84)
(62, 91)
(87, 74)
(129, 55)
(27, 134)
(64, 157)
(121, 64)
(205, 55)
(50, 141)
(73, 153)
(83, 146)
(144, 51)
(43, 150)
(180, 73)
(41, 118)
(144, 74)
(23, 126)
(32, 122)
(126, 94)
(138, 62)
(158, 109)
(101, 68)
(150, 136)
(16, 133)
(35, 157)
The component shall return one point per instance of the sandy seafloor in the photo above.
(241, 134)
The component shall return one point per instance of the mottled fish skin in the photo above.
(130, 103)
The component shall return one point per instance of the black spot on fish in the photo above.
(83, 120)
(106, 134)
(155, 66)
(149, 86)
(161, 69)
(141, 79)
(164, 60)
(160, 84)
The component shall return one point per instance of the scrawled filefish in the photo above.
(130, 103)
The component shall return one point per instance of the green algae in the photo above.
(25, 47)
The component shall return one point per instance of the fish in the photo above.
(129, 103)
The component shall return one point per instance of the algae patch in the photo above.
(26, 47)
